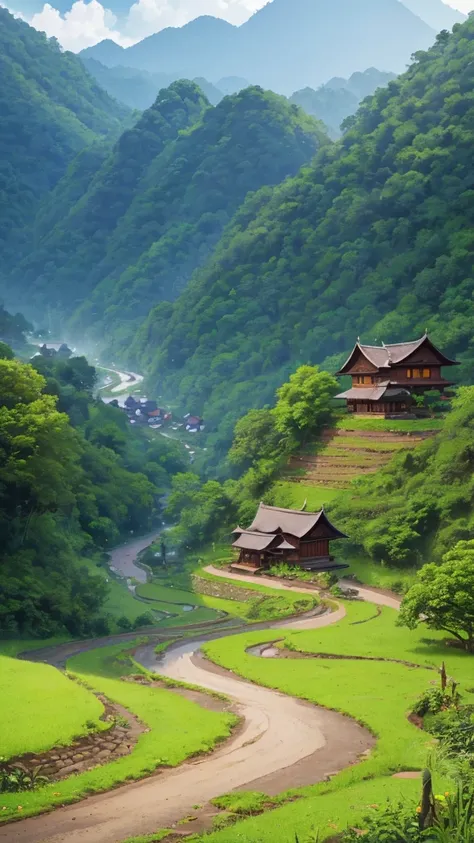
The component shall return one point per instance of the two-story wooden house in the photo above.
(385, 378)
(292, 536)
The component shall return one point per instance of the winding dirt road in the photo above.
(281, 743)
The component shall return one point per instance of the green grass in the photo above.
(379, 694)
(120, 601)
(41, 708)
(323, 814)
(178, 729)
(410, 426)
(207, 607)
(378, 576)
(382, 638)
(293, 495)
(150, 838)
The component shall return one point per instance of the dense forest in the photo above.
(373, 238)
(74, 479)
(421, 504)
(51, 109)
(159, 203)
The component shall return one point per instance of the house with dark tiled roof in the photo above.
(294, 537)
(385, 378)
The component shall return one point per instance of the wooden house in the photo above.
(294, 537)
(385, 378)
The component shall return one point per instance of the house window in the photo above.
(418, 373)
(364, 379)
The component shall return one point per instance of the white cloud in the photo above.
(85, 24)
(89, 22)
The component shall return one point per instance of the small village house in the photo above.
(386, 378)
(294, 537)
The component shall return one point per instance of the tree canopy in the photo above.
(74, 479)
(443, 596)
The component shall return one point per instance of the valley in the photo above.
(237, 505)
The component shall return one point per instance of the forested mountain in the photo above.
(74, 478)
(374, 238)
(155, 211)
(285, 46)
(339, 98)
(70, 247)
(50, 109)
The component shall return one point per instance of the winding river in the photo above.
(282, 742)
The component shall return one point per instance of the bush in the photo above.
(143, 620)
(124, 623)
(432, 701)
(393, 824)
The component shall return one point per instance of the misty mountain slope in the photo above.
(339, 98)
(375, 238)
(136, 88)
(62, 267)
(50, 109)
(187, 197)
(435, 13)
(285, 46)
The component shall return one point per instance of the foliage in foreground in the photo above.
(443, 596)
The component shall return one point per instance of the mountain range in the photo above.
(286, 45)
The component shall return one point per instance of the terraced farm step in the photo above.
(346, 454)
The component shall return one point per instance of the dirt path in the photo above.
(283, 743)
(371, 595)
(122, 559)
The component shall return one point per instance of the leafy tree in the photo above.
(6, 353)
(255, 437)
(304, 403)
(443, 597)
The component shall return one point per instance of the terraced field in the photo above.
(345, 454)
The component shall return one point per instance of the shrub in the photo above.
(143, 620)
(432, 701)
(124, 623)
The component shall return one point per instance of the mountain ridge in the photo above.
(318, 39)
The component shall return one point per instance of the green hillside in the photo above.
(75, 245)
(158, 205)
(51, 109)
(373, 238)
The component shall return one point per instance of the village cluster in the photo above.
(146, 411)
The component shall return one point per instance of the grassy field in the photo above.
(294, 495)
(414, 426)
(317, 817)
(377, 693)
(40, 708)
(120, 601)
(378, 576)
(178, 729)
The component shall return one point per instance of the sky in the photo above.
(86, 23)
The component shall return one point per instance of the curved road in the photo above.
(282, 742)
